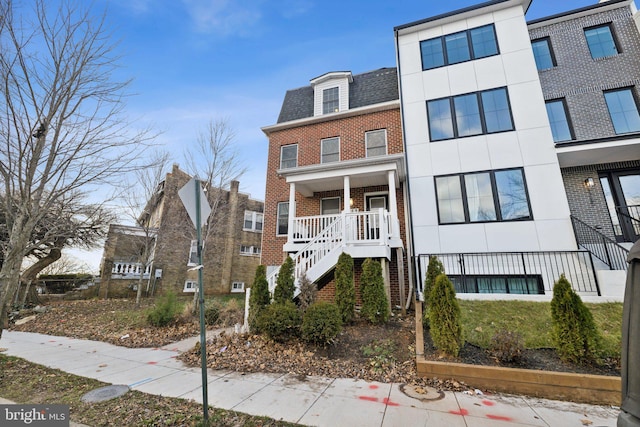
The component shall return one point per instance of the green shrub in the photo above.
(280, 321)
(211, 313)
(345, 289)
(444, 316)
(434, 269)
(285, 286)
(321, 323)
(575, 333)
(308, 293)
(259, 297)
(506, 346)
(375, 305)
(165, 310)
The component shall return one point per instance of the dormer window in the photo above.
(330, 100)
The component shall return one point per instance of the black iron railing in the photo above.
(514, 272)
(630, 215)
(602, 247)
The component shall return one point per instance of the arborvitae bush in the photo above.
(375, 305)
(308, 292)
(434, 269)
(444, 316)
(285, 286)
(345, 289)
(506, 346)
(280, 321)
(259, 297)
(321, 323)
(575, 333)
(165, 310)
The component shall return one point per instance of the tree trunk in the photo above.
(139, 290)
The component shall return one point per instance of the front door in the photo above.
(622, 193)
(373, 203)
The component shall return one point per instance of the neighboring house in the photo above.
(231, 254)
(335, 180)
(523, 144)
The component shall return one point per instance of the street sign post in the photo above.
(195, 201)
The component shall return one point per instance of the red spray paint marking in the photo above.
(388, 402)
(373, 386)
(498, 417)
(488, 403)
(369, 398)
(462, 411)
(151, 363)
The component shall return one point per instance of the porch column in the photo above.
(347, 194)
(292, 211)
(393, 203)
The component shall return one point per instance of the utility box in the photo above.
(630, 408)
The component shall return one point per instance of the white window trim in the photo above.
(190, 286)
(366, 142)
(254, 217)
(324, 90)
(376, 194)
(278, 218)
(330, 198)
(322, 141)
(240, 289)
(252, 250)
(282, 149)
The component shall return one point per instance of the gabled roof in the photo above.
(368, 88)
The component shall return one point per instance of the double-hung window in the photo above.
(330, 150)
(330, 100)
(330, 206)
(459, 47)
(499, 195)
(559, 120)
(253, 221)
(289, 156)
(376, 142)
(543, 54)
(601, 41)
(470, 114)
(623, 110)
(282, 218)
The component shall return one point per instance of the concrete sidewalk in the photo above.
(314, 401)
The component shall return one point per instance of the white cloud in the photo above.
(224, 16)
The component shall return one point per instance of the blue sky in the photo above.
(196, 60)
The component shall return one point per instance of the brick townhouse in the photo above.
(335, 180)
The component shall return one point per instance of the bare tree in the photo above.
(215, 160)
(63, 131)
(141, 201)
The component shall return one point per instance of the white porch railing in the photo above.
(326, 236)
(129, 270)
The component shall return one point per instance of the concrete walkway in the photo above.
(314, 401)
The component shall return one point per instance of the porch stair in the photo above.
(317, 257)
(610, 254)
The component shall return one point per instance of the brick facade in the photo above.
(223, 262)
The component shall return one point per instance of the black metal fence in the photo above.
(514, 272)
(605, 249)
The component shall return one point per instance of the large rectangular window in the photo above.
(289, 156)
(330, 150)
(282, 218)
(330, 100)
(559, 120)
(499, 195)
(252, 221)
(376, 142)
(600, 41)
(459, 47)
(543, 54)
(470, 114)
(623, 110)
(330, 206)
(508, 284)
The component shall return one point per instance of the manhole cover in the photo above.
(105, 393)
(423, 393)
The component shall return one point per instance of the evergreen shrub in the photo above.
(444, 317)
(321, 323)
(375, 304)
(345, 289)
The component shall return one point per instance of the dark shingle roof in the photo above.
(368, 88)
